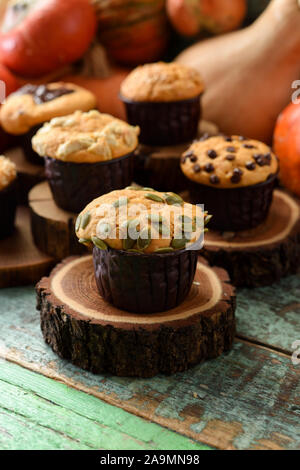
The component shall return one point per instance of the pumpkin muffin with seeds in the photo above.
(164, 100)
(8, 196)
(86, 155)
(145, 247)
(234, 178)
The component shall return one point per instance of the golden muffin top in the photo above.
(8, 172)
(85, 138)
(162, 82)
(141, 220)
(229, 162)
(32, 105)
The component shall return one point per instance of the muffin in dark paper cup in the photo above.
(26, 110)
(164, 101)
(74, 185)
(234, 178)
(144, 283)
(163, 123)
(146, 245)
(8, 196)
(86, 155)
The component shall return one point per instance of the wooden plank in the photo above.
(271, 315)
(21, 262)
(246, 399)
(39, 413)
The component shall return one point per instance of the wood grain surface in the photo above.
(263, 255)
(53, 229)
(53, 416)
(246, 399)
(82, 327)
(21, 262)
(28, 173)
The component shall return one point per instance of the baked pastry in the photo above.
(32, 105)
(163, 99)
(146, 245)
(86, 155)
(234, 178)
(8, 196)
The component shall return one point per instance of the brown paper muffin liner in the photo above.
(30, 154)
(74, 185)
(165, 123)
(144, 283)
(235, 209)
(8, 206)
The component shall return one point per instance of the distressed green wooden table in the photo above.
(247, 399)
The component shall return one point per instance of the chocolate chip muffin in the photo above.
(164, 100)
(86, 155)
(8, 196)
(145, 247)
(234, 178)
(27, 109)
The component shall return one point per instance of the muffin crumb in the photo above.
(8, 172)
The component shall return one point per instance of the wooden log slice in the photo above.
(84, 329)
(53, 228)
(28, 174)
(159, 167)
(21, 262)
(261, 256)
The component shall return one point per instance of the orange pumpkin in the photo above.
(132, 31)
(38, 38)
(191, 17)
(10, 81)
(106, 90)
(287, 147)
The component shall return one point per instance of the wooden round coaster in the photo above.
(53, 228)
(159, 167)
(28, 173)
(261, 256)
(81, 327)
(21, 262)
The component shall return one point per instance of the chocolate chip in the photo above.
(249, 146)
(212, 154)
(230, 157)
(183, 158)
(236, 176)
(263, 160)
(228, 139)
(231, 149)
(197, 168)
(190, 154)
(214, 179)
(250, 166)
(209, 168)
(259, 158)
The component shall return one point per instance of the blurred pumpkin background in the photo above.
(95, 43)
